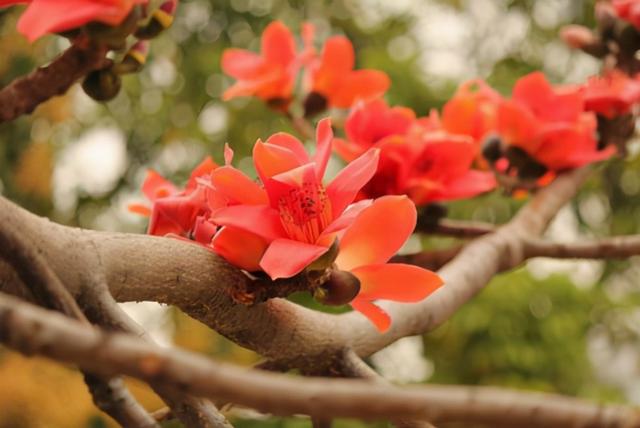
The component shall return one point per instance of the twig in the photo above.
(431, 259)
(109, 395)
(23, 95)
(619, 247)
(302, 126)
(33, 330)
(456, 228)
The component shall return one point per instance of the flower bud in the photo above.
(528, 168)
(102, 85)
(341, 288)
(134, 59)
(161, 19)
(314, 103)
(492, 149)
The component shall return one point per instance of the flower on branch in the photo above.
(418, 157)
(330, 79)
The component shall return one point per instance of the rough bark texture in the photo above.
(23, 95)
(32, 330)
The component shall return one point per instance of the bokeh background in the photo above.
(568, 327)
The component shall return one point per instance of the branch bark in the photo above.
(109, 395)
(195, 280)
(619, 247)
(32, 330)
(23, 95)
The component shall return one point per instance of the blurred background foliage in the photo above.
(569, 327)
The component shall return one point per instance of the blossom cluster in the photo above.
(290, 220)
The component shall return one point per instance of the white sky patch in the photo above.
(403, 361)
(93, 164)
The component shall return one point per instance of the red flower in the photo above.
(370, 123)
(376, 235)
(301, 219)
(332, 76)
(472, 110)
(50, 16)
(270, 75)
(611, 95)
(629, 10)
(417, 158)
(178, 212)
(550, 124)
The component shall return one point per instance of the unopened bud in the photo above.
(161, 19)
(341, 288)
(528, 168)
(314, 103)
(279, 104)
(134, 59)
(577, 36)
(492, 148)
(102, 85)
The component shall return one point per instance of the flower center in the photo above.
(305, 212)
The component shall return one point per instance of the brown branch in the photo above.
(109, 395)
(194, 412)
(32, 330)
(455, 228)
(619, 247)
(197, 281)
(430, 259)
(23, 95)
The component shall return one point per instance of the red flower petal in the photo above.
(346, 185)
(288, 141)
(270, 160)
(285, 258)
(156, 186)
(278, 44)
(377, 233)
(239, 247)
(237, 187)
(376, 314)
(262, 220)
(358, 85)
(242, 64)
(396, 281)
(324, 139)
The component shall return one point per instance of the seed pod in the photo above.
(341, 288)
(102, 85)
(314, 103)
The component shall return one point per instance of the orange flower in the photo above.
(50, 16)
(333, 78)
(302, 217)
(270, 75)
(611, 95)
(368, 244)
(417, 157)
(629, 10)
(550, 124)
(472, 110)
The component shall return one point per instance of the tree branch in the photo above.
(197, 281)
(32, 330)
(23, 95)
(455, 228)
(109, 395)
(619, 247)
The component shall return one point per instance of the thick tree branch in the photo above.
(32, 330)
(197, 281)
(109, 395)
(619, 247)
(23, 95)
